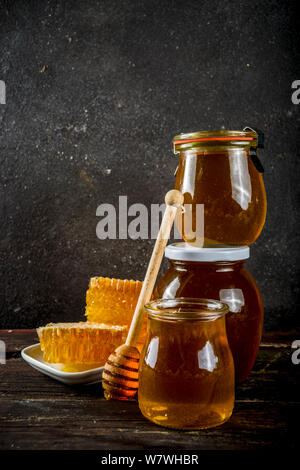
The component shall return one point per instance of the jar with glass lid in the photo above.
(186, 371)
(220, 176)
(219, 273)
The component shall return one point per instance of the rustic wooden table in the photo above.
(36, 412)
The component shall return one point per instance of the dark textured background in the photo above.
(98, 85)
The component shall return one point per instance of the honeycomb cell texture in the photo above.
(80, 343)
(113, 301)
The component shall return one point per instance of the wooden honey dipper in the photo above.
(120, 375)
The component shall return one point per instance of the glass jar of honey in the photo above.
(219, 273)
(186, 376)
(219, 173)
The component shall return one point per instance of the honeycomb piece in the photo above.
(113, 301)
(80, 343)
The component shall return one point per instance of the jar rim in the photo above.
(217, 138)
(185, 308)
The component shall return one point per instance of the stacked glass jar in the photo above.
(220, 176)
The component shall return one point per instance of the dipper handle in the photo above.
(174, 200)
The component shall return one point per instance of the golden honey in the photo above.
(216, 170)
(219, 273)
(186, 378)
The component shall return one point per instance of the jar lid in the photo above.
(185, 252)
(211, 139)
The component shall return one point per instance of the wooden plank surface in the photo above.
(36, 412)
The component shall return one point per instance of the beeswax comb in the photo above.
(83, 342)
(113, 301)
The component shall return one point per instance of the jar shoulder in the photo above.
(202, 282)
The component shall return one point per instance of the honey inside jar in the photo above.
(217, 171)
(219, 273)
(186, 378)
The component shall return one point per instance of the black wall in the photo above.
(98, 85)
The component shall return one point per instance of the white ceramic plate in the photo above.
(34, 356)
